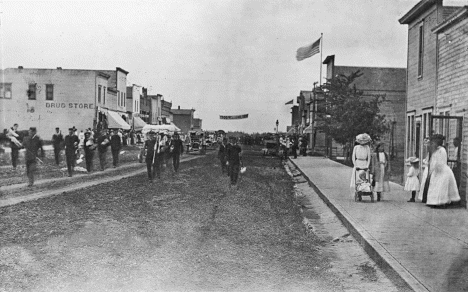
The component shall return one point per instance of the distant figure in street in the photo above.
(226, 157)
(150, 146)
(303, 146)
(103, 143)
(380, 169)
(176, 148)
(57, 140)
(295, 147)
(71, 146)
(222, 155)
(116, 146)
(32, 144)
(234, 159)
(15, 144)
(89, 148)
(412, 181)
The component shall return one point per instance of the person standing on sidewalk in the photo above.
(71, 146)
(234, 160)
(116, 146)
(226, 156)
(57, 140)
(438, 184)
(361, 157)
(295, 147)
(89, 148)
(103, 143)
(412, 181)
(177, 149)
(222, 155)
(32, 144)
(15, 144)
(380, 170)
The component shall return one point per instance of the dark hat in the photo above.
(57, 128)
(32, 129)
(71, 129)
(87, 133)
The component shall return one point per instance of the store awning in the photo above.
(138, 124)
(115, 121)
(308, 130)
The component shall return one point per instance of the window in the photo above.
(118, 98)
(410, 135)
(99, 93)
(421, 49)
(49, 92)
(32, 91)
(104, 95)
(5, 90)
(125, 98)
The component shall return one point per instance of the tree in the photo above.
(348, 112)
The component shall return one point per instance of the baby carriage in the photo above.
(363, 185)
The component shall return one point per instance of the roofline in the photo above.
(370, 67)
(328, 59)
(456, 17)
(419, 8)
(121, 70)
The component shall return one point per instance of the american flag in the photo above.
(308, 51)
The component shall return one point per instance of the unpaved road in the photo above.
(187, 232)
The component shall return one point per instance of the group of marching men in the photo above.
(158, 148)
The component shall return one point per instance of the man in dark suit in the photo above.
(14, 145)
(222, 155)
(116, 146)
(89, 148)
(71, 145)
(32, 144)
(103, 143)
(57, 140)
(226, 156)
(176, 149)
(150, 145)
(234, 159)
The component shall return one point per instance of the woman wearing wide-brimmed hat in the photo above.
(361, 156)
(380, 170)
(438, 183)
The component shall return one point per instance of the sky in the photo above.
(220, 57)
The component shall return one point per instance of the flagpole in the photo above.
(321, 49)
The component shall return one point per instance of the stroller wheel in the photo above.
(360, 198)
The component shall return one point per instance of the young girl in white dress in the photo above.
(412, 180)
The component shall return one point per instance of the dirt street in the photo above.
(187, 232)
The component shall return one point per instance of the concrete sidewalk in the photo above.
(427, 248)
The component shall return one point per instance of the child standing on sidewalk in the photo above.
(412, 181)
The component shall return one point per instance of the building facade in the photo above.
(166, 111)
(183, 119)
(436, 77)
(155, 109)
(390, 82)
(50, 98)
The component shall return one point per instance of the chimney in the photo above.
(179, 107)
(59, 68)
(20, 67)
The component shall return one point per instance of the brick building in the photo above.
(155, 109)
(390, 82)
(49, 98)
(145, 105)
(166, 111)
(197, 124)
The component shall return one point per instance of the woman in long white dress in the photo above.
(380, 169)
(438, 182)
(361, 157)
